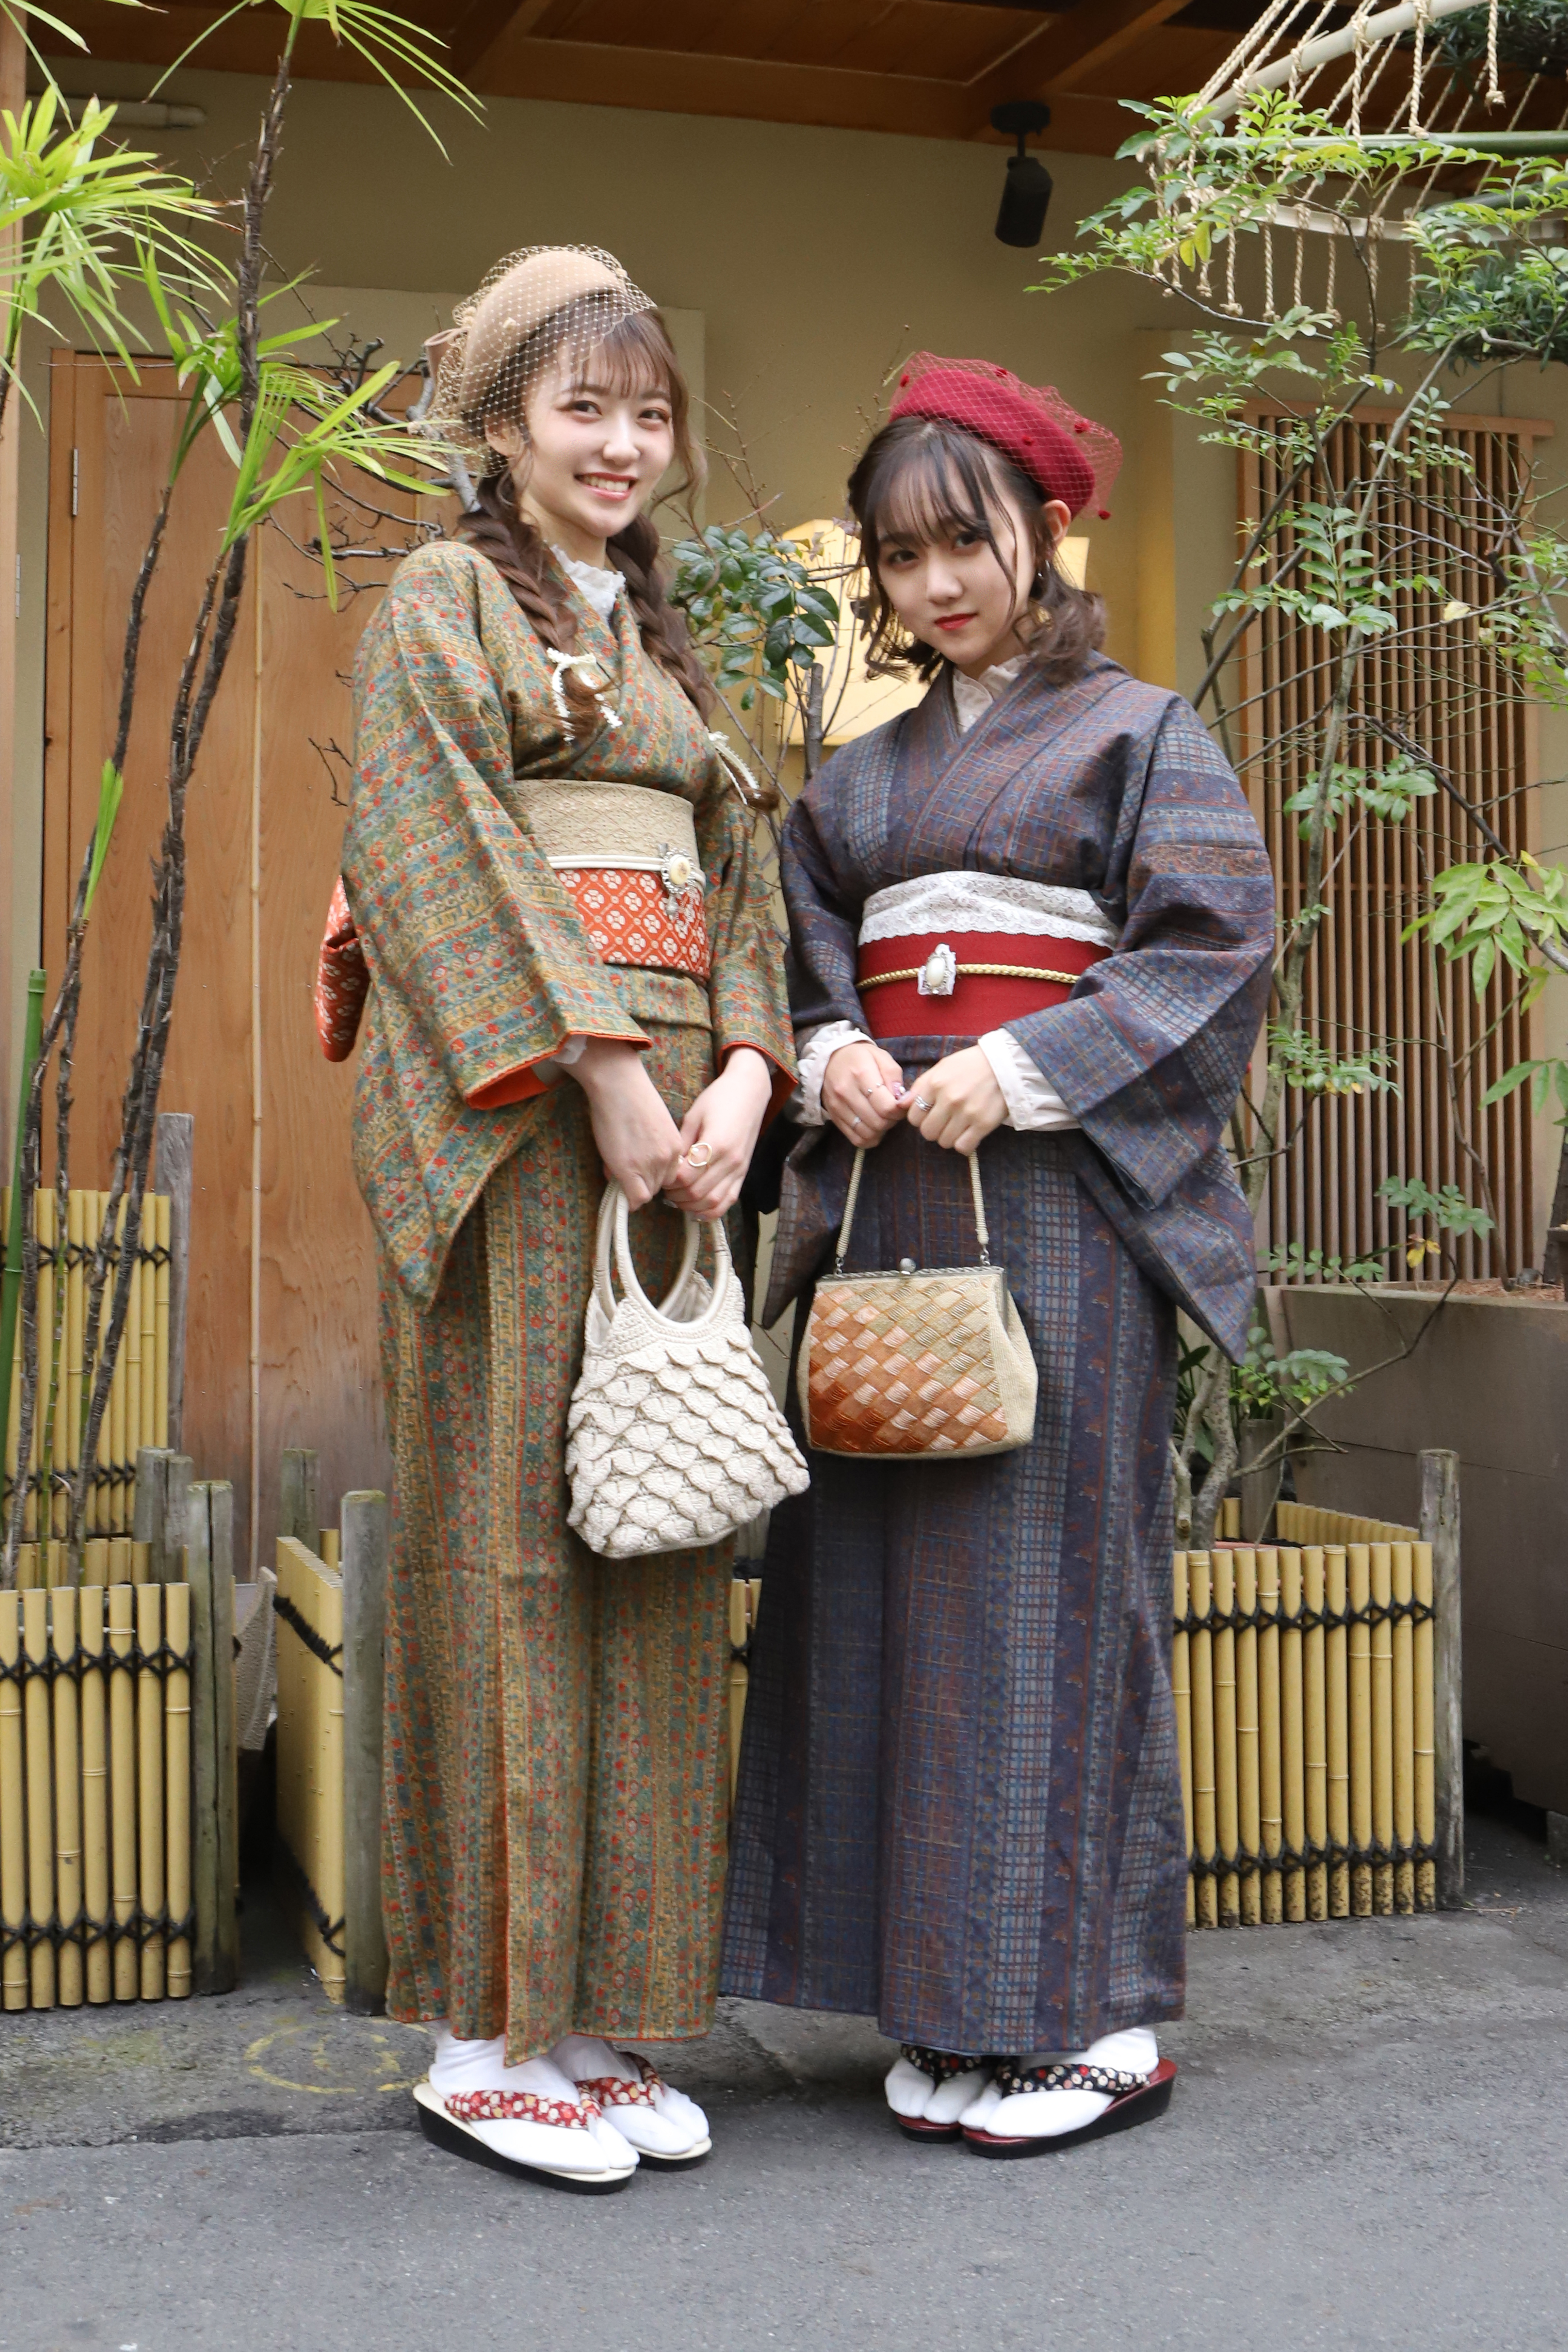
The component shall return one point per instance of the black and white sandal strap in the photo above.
(941, 2065)
(1066, 2075)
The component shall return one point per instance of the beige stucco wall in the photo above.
(813, 260)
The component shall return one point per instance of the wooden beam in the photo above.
(667, 81)
(482, 23)
(1068, 52)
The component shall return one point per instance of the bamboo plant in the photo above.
(90, 219)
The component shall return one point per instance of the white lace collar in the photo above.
(973, 696)
(598, 585)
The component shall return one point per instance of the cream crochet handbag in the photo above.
(673, 1438)
(932, 1367)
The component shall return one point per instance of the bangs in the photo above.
(932, 487)
(636, 357)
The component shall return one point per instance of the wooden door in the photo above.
(283, 1330)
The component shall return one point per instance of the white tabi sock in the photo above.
(1043, 2114)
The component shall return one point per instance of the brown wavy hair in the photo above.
(921, 480)
(635, 354)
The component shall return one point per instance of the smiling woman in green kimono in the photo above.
(574, 973)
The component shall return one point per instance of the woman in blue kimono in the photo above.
(1031, 917)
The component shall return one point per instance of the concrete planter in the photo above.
(1489, 1379)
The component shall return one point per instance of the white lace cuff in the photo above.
(1034, 1105)
(814, 1050)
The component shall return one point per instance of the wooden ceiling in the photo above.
(932, 68)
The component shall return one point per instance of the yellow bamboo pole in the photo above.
(1182, 1693)
(1425, 1710)
(1270, 1771)
(1383, 1726)
(1336, 1676)
(1200, 1575)
(1292, 1730)
(1315, 1738)
(1403, 1581)
(1249, 1811)
(130, 1346)
(68, 1793)
(95, 1561)
(150, 1786)
(1227, 1823)
(330, 1552)
(177, 1766)
(69, 1447)
(94, 1797)
(114, 1419)
(103, 1519)
(122, 1566)
(1360, 1564)
(40, 1812)
(41, 1513)
(27, 1574)
(160, 1324)
(123, 1790)
(13, 1816)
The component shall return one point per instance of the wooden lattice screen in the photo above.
(1439, 684)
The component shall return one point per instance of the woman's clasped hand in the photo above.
(956, 1103)
(697, 1166)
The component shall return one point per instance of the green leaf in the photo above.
(111, 791)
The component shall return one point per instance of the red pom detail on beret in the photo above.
(1066, 456)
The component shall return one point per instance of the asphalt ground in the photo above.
(1367, 2148)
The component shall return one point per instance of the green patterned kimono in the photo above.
(556, 1729)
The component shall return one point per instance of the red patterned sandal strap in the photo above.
(1066, 2075)
(615, 2090)
(522, 2107)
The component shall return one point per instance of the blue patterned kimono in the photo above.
(960, 1807)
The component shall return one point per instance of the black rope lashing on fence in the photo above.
(1305, 1857)
(329, 1656)
(332, 1932)
(166, 1660)
(141, 1927)
(1303, 1620)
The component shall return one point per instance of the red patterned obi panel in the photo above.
(642, 915)
(342, 981)
(627, 854)
(923, 986)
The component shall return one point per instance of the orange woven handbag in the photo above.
(924, 1366)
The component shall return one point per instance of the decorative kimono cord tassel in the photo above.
(729, 759)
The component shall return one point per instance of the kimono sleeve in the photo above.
(466, 931)
(1151, 1050)
(745, 987)
(824, 929)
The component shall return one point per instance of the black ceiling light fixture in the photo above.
(1022, 219)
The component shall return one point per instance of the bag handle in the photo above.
(841, 1249)
(614, 1220)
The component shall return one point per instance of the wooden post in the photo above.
(365, 1551)
(299, 1515)
(210, 1557)
(12, 952)
(163, 1511)
(1440, 1528)
(176, 1151)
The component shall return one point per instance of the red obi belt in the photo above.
(918, 985)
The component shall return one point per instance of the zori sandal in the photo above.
(667, 2130)
(1040, 2110)
(532, 2137)
(928, 2090)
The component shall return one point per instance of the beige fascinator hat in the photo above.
(535, 306)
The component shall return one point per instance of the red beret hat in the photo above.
(1068, 456)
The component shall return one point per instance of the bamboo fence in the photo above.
(139, 1400)
(329, 1608)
